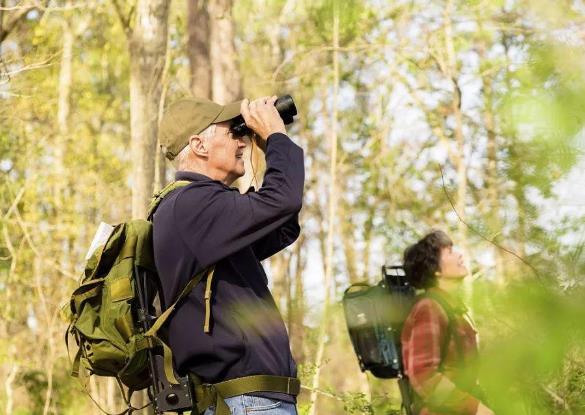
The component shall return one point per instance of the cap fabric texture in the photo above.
(190, 116)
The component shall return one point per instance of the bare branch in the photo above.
(15, 202)
(321, 392)
(558, 399)
(14, 21)
(51, 8)
(9, 245)
(19, 16)
(124, 20)
(478, 233)
(38, 65)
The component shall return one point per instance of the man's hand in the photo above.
(484, 410)
(262, 117)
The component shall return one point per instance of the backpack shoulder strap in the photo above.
(160, 195)
(186, 290)
(451, 314)
(152, 332)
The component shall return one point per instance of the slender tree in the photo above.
(198, 44)
(147, 43)
(331, 216)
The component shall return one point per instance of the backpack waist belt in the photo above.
(207, 394)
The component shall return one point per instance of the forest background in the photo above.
(466, 116)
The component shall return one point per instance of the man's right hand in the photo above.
(484, 410)
(262, 117)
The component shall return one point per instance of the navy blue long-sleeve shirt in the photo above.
(206, 223)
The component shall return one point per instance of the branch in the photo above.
(39, 65)
(124, 20)
(9, 246)
(16, 19)
(435, 127)
(475, 231)
(15, 202)
(311, 50)
(321, 392)
(52, 8)
(559, 400)
(20, 16)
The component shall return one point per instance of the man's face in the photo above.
(225, 154)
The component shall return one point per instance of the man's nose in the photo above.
(243, 141)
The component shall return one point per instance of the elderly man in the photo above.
(228, 328)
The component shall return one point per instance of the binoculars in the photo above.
(284, 105)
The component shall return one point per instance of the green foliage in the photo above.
(35, 382)
(530, 357)
(350, 14)
(396, 125)
(548, 104)
(356, 403)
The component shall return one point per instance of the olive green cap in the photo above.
(190, 116)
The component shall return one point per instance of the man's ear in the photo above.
(198, 146)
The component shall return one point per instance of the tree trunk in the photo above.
(493, 195)
(43, 312)
(461, 167)
(461, 162)
(8, 388)
(348, 242)
(160, 165)
(160, 169)
(212, 54)
(65, 80)
(519, 194)
(492, 210)
(279, 265)
(2, 6)
(225, 74)
(367, 235)
(331, 219)
(198, 48)
(297, 303)
(211, 39)
(521, 231)
(147, 46)
(62, 180)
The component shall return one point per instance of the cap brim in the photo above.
(229, 111)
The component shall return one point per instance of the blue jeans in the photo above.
(254, 405)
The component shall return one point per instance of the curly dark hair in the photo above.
(421, 260)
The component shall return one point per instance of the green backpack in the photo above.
(106, 318)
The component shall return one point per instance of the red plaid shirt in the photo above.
(443, 386)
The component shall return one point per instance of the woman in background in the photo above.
(439, 342)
